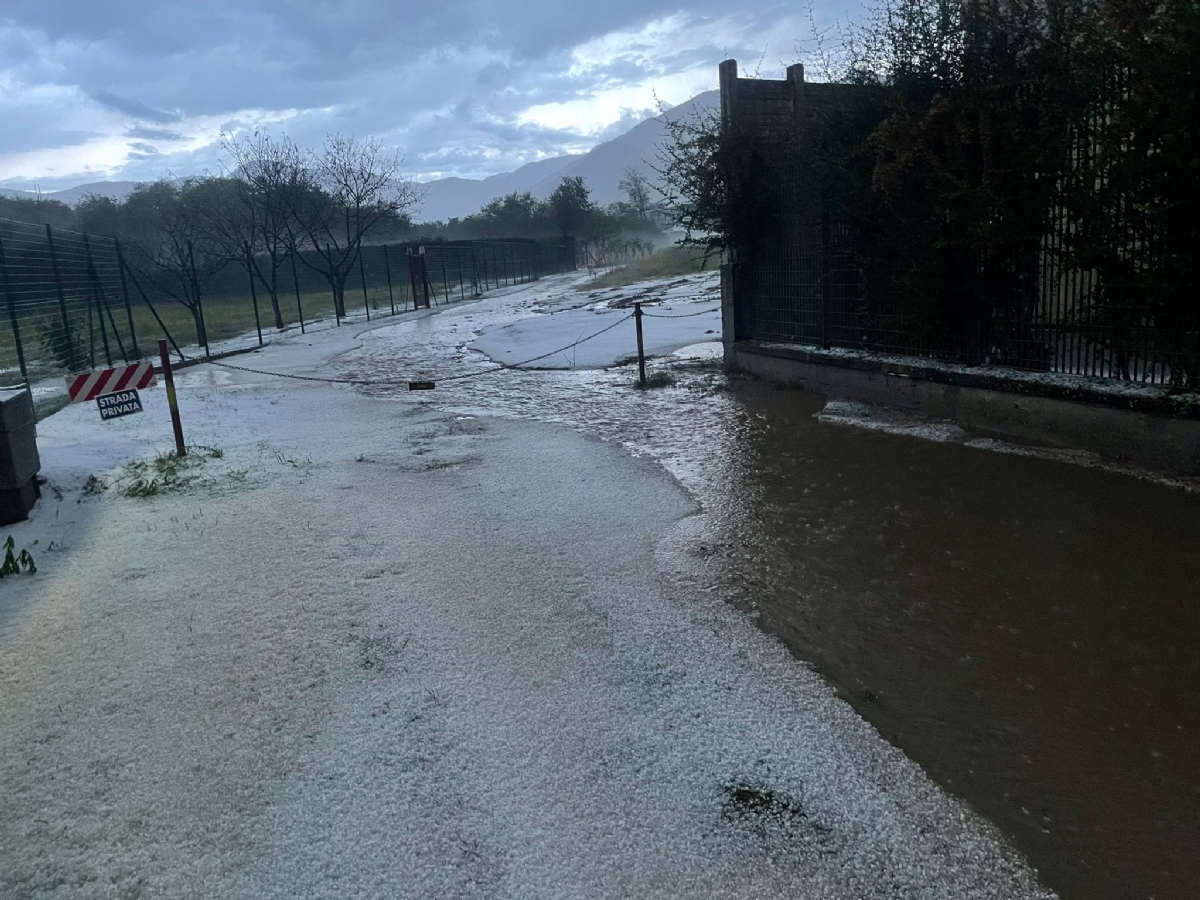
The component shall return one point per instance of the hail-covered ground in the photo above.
(366, 647)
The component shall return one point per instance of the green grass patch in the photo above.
(164, 474)
(16, 563)
(51, 349)
(44, 341)
(665, 264)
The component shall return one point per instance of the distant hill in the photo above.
(118, 190)
(601, 168)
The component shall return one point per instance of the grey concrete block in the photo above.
(19, 460)
(16, 503)
(16, 410)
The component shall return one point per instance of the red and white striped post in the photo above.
(169, 380)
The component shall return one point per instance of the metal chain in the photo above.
(702, 312)
(393, 381)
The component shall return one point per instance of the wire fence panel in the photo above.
(76, 302)
(67, 303)
(808, 284)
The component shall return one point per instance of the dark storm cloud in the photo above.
(133, 108)
(147, 133)
(449, 82)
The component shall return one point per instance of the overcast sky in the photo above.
(137, 89)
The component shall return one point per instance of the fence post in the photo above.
(196, 295)
(172, 402)
(150, 306)
(387, 269)
(12, 315)
(362, 276)
(824, 278)
(445, 280)
(137, 354)
(96, 299)
(296, 285)
(62, 300)
(426, 282)
(474, 274)
(253, 296)
(458, 262)
(637, 320)
(333, 289)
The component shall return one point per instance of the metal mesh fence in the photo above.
(807, 283)
(76, 302)
(66, 300)
(803, 276)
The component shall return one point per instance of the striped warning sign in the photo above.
(89, 385)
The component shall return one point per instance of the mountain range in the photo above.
(118, 190)
(601, 168)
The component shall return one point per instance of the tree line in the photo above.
(629, 225)
(276, 205)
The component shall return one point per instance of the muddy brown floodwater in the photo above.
(1027, 630)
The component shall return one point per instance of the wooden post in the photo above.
(637, 319)
(169, 381)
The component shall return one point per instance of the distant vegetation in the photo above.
(629, 227)
(687, 260)
(280, 207)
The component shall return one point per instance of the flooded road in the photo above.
(1026, 630)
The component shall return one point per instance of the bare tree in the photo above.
(693, 169)
(251, 218)
(168, 236)
(350, 188)
(637, 188)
